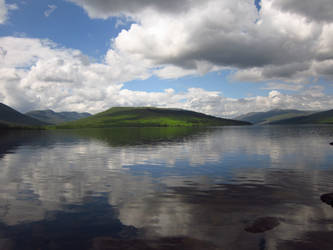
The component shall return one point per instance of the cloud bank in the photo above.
(38, 74)
(285, 40)
(286, 45)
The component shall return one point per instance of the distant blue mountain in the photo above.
(52, 117)
(9, 117)
(273, 116)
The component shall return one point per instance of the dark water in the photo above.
(166, 188)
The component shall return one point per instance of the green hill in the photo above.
(324, 117)
(10, 118)
(272, 116)
(51, 117)
(148, 117)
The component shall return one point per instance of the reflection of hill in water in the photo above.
(13, 139)
(137, 136)
(115, 137)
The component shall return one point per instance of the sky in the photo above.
(220, 57)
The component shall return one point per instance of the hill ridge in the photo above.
(271, 116)
(10, 117)
(52, 117)
(322, 117)
(149, 117)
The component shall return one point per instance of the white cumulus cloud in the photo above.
(216, 33)
(38, 74)
(285, 41)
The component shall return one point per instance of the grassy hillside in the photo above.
(325, 117)
(52, 117)
(10, 118)
(272, 116)
(148, 117)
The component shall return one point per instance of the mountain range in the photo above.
(288, 116)
(272, 115)
(324, 117)
(9, 117)
(51, 117)
(153, 117)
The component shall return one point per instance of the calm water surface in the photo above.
(166, 188)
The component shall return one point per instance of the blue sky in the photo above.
(68, 25)
(93, 38)
(218, 57)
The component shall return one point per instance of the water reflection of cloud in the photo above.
(286, 182)
(224, 210)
